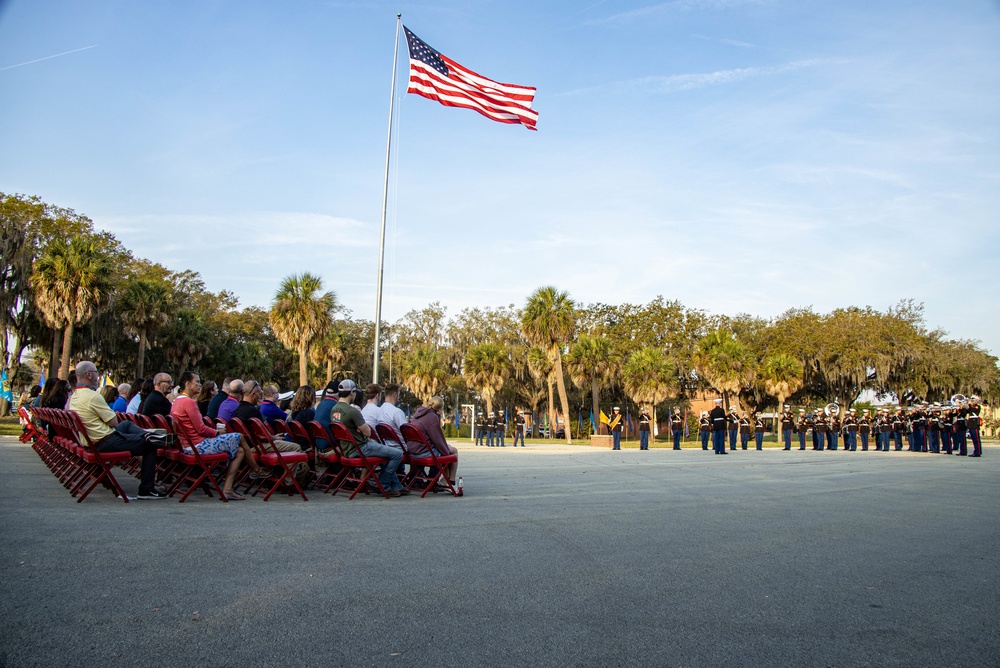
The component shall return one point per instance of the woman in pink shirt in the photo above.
(194, 433)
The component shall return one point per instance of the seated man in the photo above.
(231, 402)
(390, 414)
(269, 405)
(349, 416)
(121, 403)
(252, 393)
(323, 411)
(157, 403)
(109, 435)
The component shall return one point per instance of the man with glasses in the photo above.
(109, 435)
(157, 403)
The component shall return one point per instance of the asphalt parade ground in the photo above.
(555, 556)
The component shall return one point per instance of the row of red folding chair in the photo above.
(75, 459)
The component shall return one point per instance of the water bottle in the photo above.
(461, 492)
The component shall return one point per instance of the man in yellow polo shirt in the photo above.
(109, 435)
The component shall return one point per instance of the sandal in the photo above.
(233, 496)
(260, 474)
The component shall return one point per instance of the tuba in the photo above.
(832, 409)
(958, 399)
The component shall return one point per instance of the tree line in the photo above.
(70, 291)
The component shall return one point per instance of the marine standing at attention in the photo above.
(643, 430)
(718, 418)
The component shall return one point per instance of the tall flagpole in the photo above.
(385, 201)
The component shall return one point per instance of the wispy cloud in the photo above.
(675, 83)
(681, 82)
(38, 60)
(676, 5)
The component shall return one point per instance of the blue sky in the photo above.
(738, 155)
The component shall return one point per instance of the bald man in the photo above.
(157, 402)
(232, 402)
(109, 435)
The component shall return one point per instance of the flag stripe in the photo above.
(430, 85)
(439, 78)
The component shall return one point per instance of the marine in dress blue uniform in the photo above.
(704, 429)
(744, 426)
(643, 430)
(733, 423)
(787, 426)
(676, 427)
(718, 418)
(758, 431)
(615, 422)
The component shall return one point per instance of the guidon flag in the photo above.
(438, 77)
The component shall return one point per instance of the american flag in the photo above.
(438, 77)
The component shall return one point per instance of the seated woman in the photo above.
(428, 420)
(109, 393)
(301, 409)
(205, 396)
(194, 433)
(55, 394)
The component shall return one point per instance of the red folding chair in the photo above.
(332, 474)
(98, 464)
(437, 462)
(387, 434)
(273, 458)
(358, 469)
(30, 433)
(197, 470)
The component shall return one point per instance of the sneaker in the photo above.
(151, 494)
(403, 491)
(395, 492)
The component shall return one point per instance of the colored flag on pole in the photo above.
(5, 391)
(438, 77)
(593, 425)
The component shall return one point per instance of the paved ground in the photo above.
(556, 556)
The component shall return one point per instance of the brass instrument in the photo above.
(832, 409)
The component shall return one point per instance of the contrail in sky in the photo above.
(38, 60)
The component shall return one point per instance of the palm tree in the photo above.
(781, 375)
(486, 368)
(300, 313)
(187, 340)
(71, 282)
(423, 371)
(143, 307)
(328, 350)
(548, 321)
(591, 361)
(649, 377)
(540, 368)
(725, 364)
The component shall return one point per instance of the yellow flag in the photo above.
(604, 418)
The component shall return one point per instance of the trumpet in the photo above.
(832, 409)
